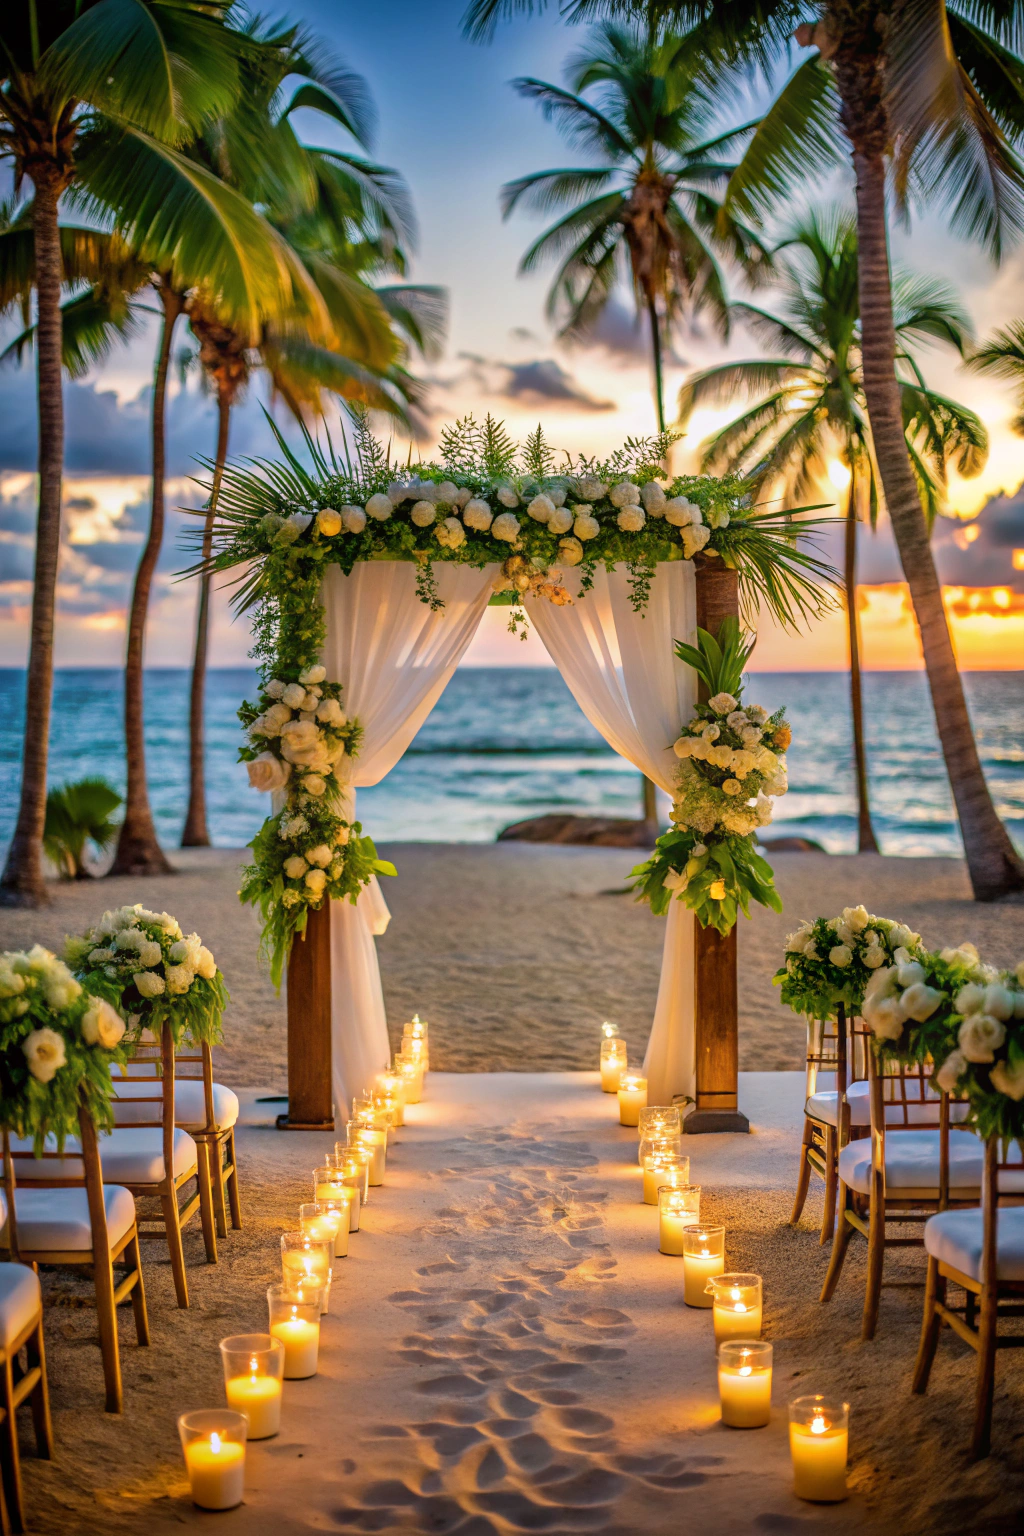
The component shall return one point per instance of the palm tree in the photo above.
(810, 407)
(1003, 357)
(936, 94)
(79, 82)
(647, 205)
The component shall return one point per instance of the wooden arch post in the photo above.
(310, 1097)
(714, 970)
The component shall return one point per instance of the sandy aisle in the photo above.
(515, 952)
(508, 1352)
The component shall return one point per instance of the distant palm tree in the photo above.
(85, 98)
(649, 206)
(811, 408)
(77, 814)
(1003, 357)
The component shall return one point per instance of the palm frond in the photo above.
(800, 129)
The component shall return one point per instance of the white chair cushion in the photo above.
(20, 1300)
(823, 1105)
(52, 1220)
(912, 1163)
(189, 1103)
(3, 1209)
(955, 1238)
(130, 1155)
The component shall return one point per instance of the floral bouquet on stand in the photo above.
(57, 1044)
(731, 762)
(833, 961)
(152, 973)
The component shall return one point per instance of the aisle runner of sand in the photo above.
(508, 1352)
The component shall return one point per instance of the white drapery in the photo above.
(393, 656)
(621, 669)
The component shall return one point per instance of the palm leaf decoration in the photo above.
(719, 663)
(77, 814)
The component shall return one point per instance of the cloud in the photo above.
(541, 381)
(979, 553)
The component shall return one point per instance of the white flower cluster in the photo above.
(897, 993)
(986, 1005)
(855, 936)
(38, 978)
(311, 869)
(732, 744)
(147, 948)
(303, 730)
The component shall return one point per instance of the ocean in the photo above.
(507, 743)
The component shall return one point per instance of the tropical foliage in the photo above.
(1002, 356)
(77, 814)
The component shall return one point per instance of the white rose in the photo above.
(910, 973)
(45, 1053)
(903, 937)
(293, 695)
(1009, 1079)
(963, 954)
(541, 508)
(560, 520)
(980, 1036)
(625, 494)
(840, 956)
(631, 519)
(206, 965)
(273, 717)
(267, 772)
(653, 497)
(694, 540)
(179, 978)
(477, 514)
(321, 855)
(329, 712)
(732, 787)
(737, 720)
(353, 519)
(873, 956)
(315, 881)
(301, 742)
(275, 688)
(507, 496)
(970, 999)
(424, 513)
(951, 1071)
(999, 1001)
(450, 534)
(683, 746)
(681, 513)
(856, 917)
(295, 866)
(886, 1018)
(570, 551)
(329, 522)
(380, 507)
(101, 1025)
(920, 1001)
(585, 527)
(743, 763)
(505, 527)
(342, 836)
(150, 953)
(314, 675)
(314, 784)
(722, 703)
(129, 938)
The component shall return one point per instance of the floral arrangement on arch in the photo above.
(142, 964)
(731, 764)
(57, 1043)
(832, 961)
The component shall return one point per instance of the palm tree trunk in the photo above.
(22, 883)
(138, 851)
(866, 842)
(659, 388)
(994, 866)
(195, 834)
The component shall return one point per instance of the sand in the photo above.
(515, 952)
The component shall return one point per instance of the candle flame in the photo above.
(745, 1370)
(741, 1306)
(254, 1365)
(215, 1442)
(818, 1425)
(735, 1294)
(705, 1253)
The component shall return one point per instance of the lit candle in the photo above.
(613, 1064)
(393, 1091)
(678, 1211)
(632, 1097)
(658, 1166)
(295, 1320)
(819, 1443)
(351, 1158)
(609, 1031)
(737, 1307)
(327, 1221)
(745, 1383)
(658, 1130)
(376, 1142)
(412, 1077)
(305, 1261)
(253, 1368)
(703, 1261)
(213, 1444)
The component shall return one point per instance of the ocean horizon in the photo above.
(505, 743)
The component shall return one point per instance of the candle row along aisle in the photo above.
(257, 1365)
(818, 1426)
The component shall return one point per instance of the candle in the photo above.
(412, 1077)
(657, 1132)
(213, 1444)
(332, 1183)
(354, 1160)
(737, 1307)
(306, 1261)
(393, 1091)
(745, 1383)
(613, 1064)
(819, 1443)
(295, 1321)
(632, 1097)
(662, 1168)
(376, 1143)
(253, 1368)
(678, 1210)
(703, 1261)
(327, 1221)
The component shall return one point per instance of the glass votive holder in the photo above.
(375, 1140)
(329, 1182)
(327, 1221)
(354, 1172)
(213, 1445)
(667, 1146)
(819, 1443)
(253, 1372)
(676, 1215)
(609, 1031)
(295, 1320)
(613, 1064)
(703, 1260)
(737, 1306)
(632, 1097)
(412, 1077)
(306, 1261)
(392, 1088)
(663, 1168)
(745, 1383)
(657, 1122)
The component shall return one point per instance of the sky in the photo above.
(449, 121)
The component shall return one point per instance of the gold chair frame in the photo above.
(18, 1386)
(828, 1050)
(125, 1253)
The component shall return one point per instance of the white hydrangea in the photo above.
(354, 519)
(462, 496)
(293, 526)
(632, 518)
(681, 513)
(424, 513)
(315, 881)
(450, 534)
(149, 984)
(590, 488)
(570, 551)
(447, 492)
(275, 688)
(150, 953)
(560, 520)
(556, 494)
(328, 522)
(654, 499)
(625, 494)
(380, 507)
(397, 492)
(694, 540)
(179, 978)
(293, 695)
(477, 514)
(584, 525)
(541, 508)
(295, 866)
(506, 527)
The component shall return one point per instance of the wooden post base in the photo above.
(310, 1099)
(700, 1122)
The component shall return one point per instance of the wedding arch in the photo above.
(367, 581)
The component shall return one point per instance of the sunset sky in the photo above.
(449, 121)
